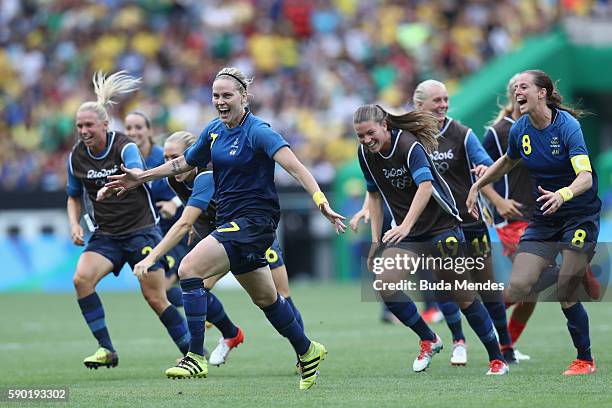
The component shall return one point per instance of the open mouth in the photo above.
(521, 101)
(224, 112)
(371, 145)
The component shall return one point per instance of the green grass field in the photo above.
(44, 339)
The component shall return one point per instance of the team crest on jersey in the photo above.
(555, 145)
(234, 147)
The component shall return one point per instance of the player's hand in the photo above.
(333, 217)
(142, 267)
(167, 209)
(395, 234)
(472, 198)
(129, 180)
(76, 234)
(364, 214)
(509, 209)
(105, 192)
(479, 170)
(552, 201)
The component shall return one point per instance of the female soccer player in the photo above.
(125, 228)
(548, 140)
(243, 150)
(459, 150)
(138, 128)
(394, 159)
(196, 190)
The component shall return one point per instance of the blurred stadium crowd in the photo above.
(314, 62)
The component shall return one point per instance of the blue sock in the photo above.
(194, 302)
(177, 327)
(452, 315)
(175, 296)
(406, 311)
(296, 312)
(497, 311)
(281, 316)
(92, 310)
(216, 315)
(578, 326)
(479, 320)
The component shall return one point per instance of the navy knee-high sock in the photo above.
(480, 321)
(281, 316)
(497, 311)
(578, 326)
(177, 327)
(406, 311)
(296, 312)
(452, 316)
(93, 312)
(175, 296)
(217, 316)
(195, 304)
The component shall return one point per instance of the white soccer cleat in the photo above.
(428, 349)
(520, 356)
(220, 353)
(498, 367)
(459, 353)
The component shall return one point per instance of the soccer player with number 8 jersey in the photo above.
(549, 142)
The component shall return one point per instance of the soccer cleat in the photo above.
(591, 284)
(509, 355)
(221, 352)
(520, 356)
(309, 364)
(459, 353)
(207, 325)
(498, 367)
(428, 349)
(102, 358)
(190, 366)
(432, 315)
(580, 367)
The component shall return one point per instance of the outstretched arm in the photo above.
(285, 157)
(502, 166)
(174, 235)
(132, 178)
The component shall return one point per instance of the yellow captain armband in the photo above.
(581, 163)
(319, 198)
(565, 193)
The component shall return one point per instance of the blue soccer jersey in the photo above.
(243, 167)
(551, 155)
(160, 190)
(203, 190)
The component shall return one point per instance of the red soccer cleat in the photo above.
(591, 284)
(432, 315)
(580, 367)
(498, 367)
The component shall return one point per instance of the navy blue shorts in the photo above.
(448, 243)
(175, 256)
(546, 237)
(131, 247)
(477, 240)
(274, 255)
(246, 242)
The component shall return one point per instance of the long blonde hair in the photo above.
(106, 88)
(421, 124)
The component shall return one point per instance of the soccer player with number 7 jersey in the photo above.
(549, 142)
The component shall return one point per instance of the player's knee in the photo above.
(156, 299)
(82, 283)
(518, 290)
(262, 300)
